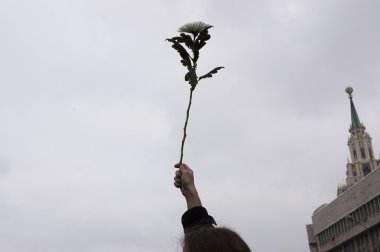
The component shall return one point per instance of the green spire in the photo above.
(355, 122)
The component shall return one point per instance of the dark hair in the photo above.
(214, 239)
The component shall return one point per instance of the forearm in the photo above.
(193, 200)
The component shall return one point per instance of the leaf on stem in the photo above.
(187, 40)
(209, 74)
(191, 77)
(202, 38)
(182, 52)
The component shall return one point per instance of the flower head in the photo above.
(194, 27)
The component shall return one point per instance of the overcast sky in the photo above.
(93, 100)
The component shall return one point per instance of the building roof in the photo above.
(355, 196)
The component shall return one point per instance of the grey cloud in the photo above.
(5, 166)
(93, 104)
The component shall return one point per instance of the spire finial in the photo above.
(355, 122)
(349, 91)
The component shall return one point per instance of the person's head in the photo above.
(210, 239)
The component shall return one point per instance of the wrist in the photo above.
(190, 192)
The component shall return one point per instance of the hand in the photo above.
(184, 179)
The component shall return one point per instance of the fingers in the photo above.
(177, 179)
(183, 176)
(178, 185)
(178, 174)
(177, 165)
(182, 167)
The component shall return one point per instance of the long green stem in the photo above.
(185, 127)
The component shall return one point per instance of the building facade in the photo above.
(351, 222)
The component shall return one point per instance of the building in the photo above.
(351, 222)
(361, 151)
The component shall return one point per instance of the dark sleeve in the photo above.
(197, 216)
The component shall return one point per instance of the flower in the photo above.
(194, 27)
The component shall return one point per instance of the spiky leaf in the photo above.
(202, 38)
(209, 74)
(187, 40)
(199, 44)
(176, 40)
(203, 35)
(182, 52)
(191, 77)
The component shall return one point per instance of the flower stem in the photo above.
(185, 127)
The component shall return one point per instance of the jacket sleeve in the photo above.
(197, 216)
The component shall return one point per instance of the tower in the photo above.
(351, 222)
(361, 151)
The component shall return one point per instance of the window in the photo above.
(338, 229)
(351, 246)
(359, 214)
(354, 171)
(348, 222)
(366, 169)
(323, 237)
(363, 246)
(372, 207)
(365, 213)
(377, 235)
(367, 210)
(334, 231)
(370, 153)
(355, 217)
(373, 239)
(329, 234)
(355, 155)
(344, 222)
(362, 152)
(377, 204)
(319, 238)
